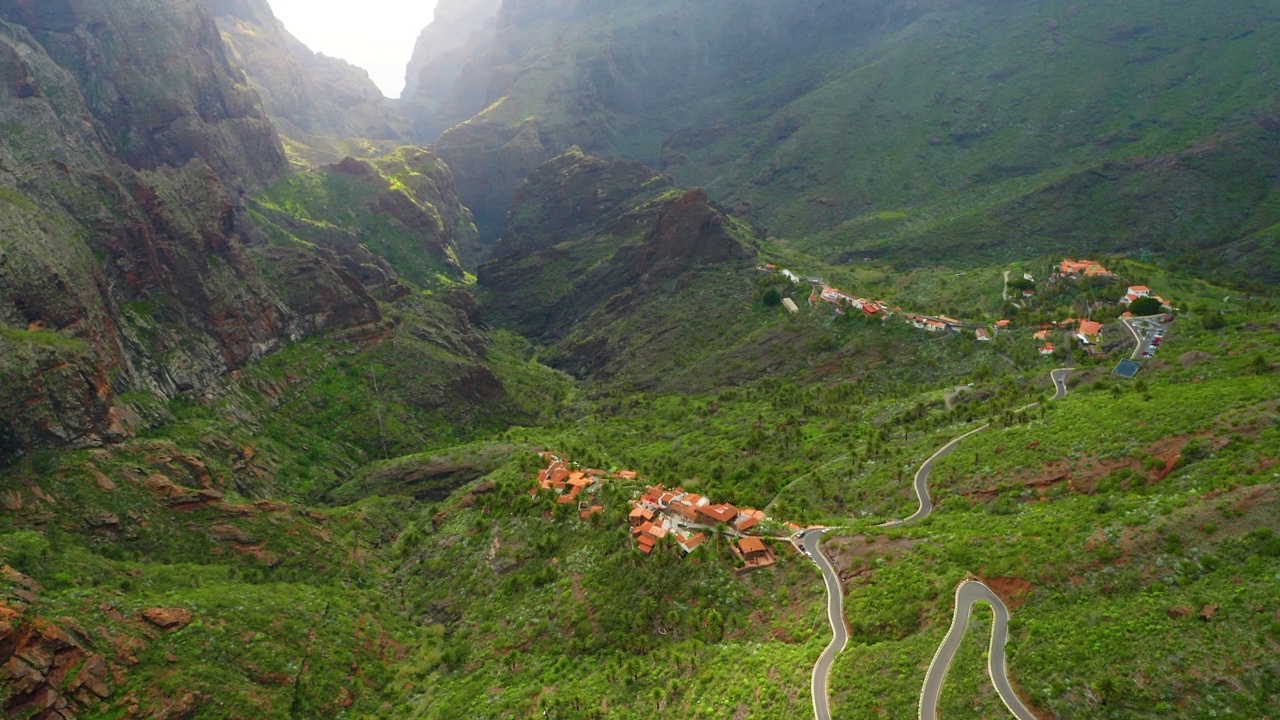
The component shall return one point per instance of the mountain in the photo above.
(319, 103)
(126, 156)
(432, 69)
(593, 246)
(155, 244)
(284, 423)
(831, 125)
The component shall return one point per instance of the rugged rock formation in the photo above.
(393, 216)
(131, 144)
(591, 245)
(47, 672)
(310, 96)
(433, 69)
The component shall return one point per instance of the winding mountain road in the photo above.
(922, 481)
(835, 615)
(1059, 378)
(968, 593)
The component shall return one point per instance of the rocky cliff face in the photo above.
(395, 216)
(130, 142)
(591, 250)
(308, 95)
(434, 67)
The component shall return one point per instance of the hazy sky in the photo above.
(377, 35)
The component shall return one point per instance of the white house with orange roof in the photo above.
(1089, 331)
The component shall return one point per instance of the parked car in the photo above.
(1166, 319)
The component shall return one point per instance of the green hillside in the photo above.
(380, 438)
(909, 131)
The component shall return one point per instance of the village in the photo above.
(1086, 332)
(687, 518)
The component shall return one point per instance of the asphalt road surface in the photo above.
(968, 594)
(1060, 382)
(922, 481)
(835, 615)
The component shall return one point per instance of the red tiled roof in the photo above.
(1002, 323)
(1090, 328)
(751, 545)
(646, 544)
(719, 513)
(689, 543)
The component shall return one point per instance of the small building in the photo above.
(1089, 331)
(1047, 349)
(1088, 268)
(689, 543)
(983, 335)
(1042, 335)
(639, 516)
(586, 513)
(1140, 290)
(1003, 324)
(790, 305)
(646, 544)
(748, 518)
(791, 276)
(723, 513)
(752, 548)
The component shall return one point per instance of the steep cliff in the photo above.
(433, 69)
(594, 254)
(130, 144)
(312, 98)
(392, 216)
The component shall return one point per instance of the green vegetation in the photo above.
(395, 207)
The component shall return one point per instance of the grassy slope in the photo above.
(324, 201)
(576, 624)
(1101, 127)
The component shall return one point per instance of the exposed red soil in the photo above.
(1013, 591)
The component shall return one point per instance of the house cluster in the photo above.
(1082, 268)
(1142, 291)
(1086, 331)
(686, 516)
(843, 300)
(941, 323)
(574, 486)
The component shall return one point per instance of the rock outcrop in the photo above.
(125, 240)
(309, 96)
(433, 69)
(591, 245)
